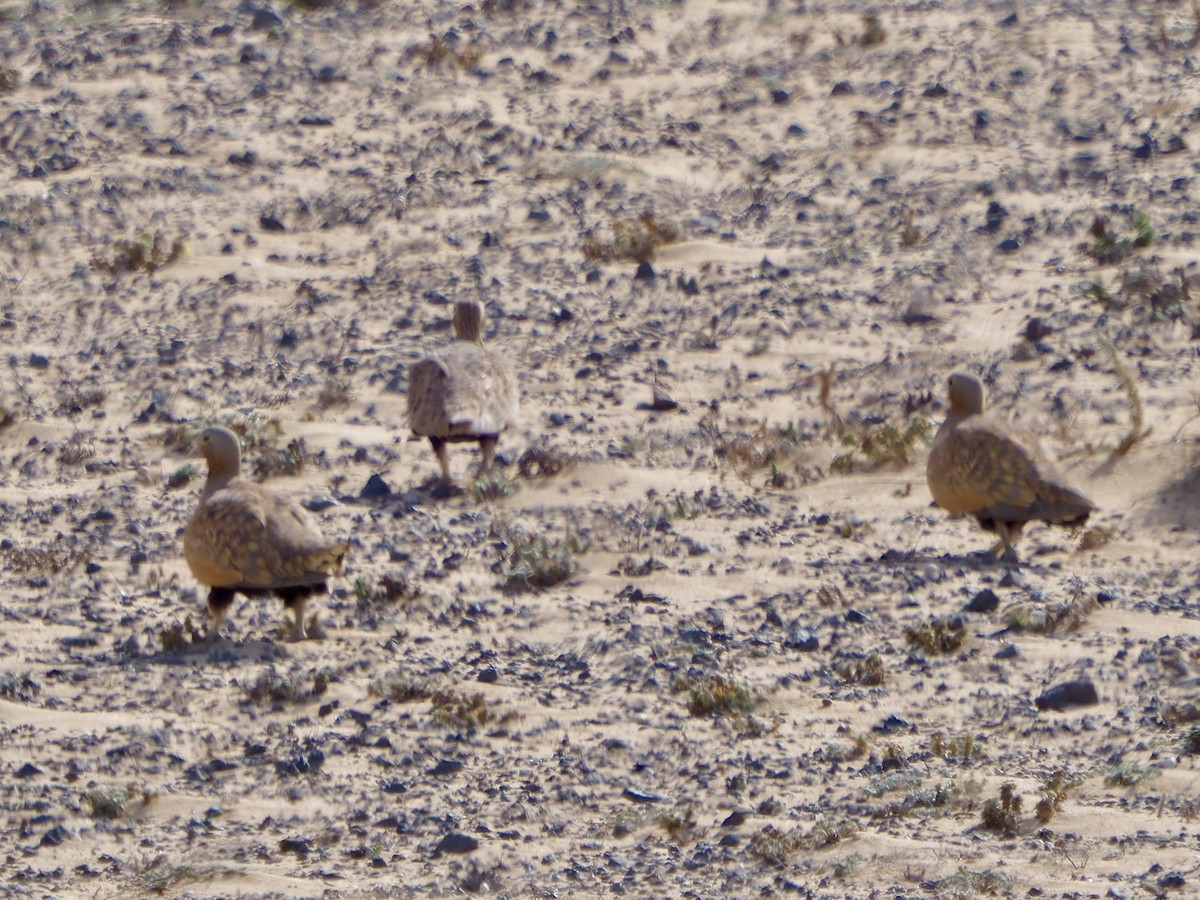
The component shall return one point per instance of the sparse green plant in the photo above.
(543, 462)
(759, 347)
(963, 747)
(148, 252)
(51, 559)
(631, 569)
(1054, 791)
(114, 803)
(182, 476)
(633, 239)
(774, 446)
(18, 686)
(1129, 775)
(363, 589)
(401, 688)
(678, 823)
(1108, 248)
(895, 780)
(176, 636)
(1062, 616)
(716, 695)
(1098, 291)
(336, 390)
(1144, 229)
(880, 447)
(938, 635)
(493, 485)
(457, 709)
(839, 752)
(847, 865)
(965, 883)
(858, 668)
(79, 448)
(268, 461)
(276, 687)
(1003, 814)
(774, 846)
(534, 561)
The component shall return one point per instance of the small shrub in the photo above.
(492, 485)
(274, 686)
(679, 824)
(716, 695)
(1052, 618)
(873, 32)
(938, 635)
(18, 686)
(633, 239)
(9, 77)
(882, 446)
(48, 560)
(1129, 775)
(858, 668)
(1003, 814)
(1191, 740)
(456, 709)
(114, 803)
(857, 749)
(148, 252)
(182, 476)
(533, 561)
(1054, 792)
(963, 747)
(773, 846)
(176, 636)
(401, 689)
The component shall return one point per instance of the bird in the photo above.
(983, 467)
(244, 538)
(463, 392)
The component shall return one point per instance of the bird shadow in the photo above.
(224, 650)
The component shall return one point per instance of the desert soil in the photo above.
(717, 648)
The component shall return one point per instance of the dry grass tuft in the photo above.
(633, 239)
(148, 252)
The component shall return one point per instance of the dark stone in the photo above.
(736, 818)
(265, 19)
(1036, 330)
(854, 617)
(456, 843)
(645, 272)
(802, 639)
(270, 222)
(488, 676)
(446, 767)
(27, 771)
(892, 724)
(1067, 695)
(985, 601)
(375, 488)
(1008, 651)
(1009, 245)
(37, 361)
(54, 836)
(638, 796)
(299, 846)
(842, 88)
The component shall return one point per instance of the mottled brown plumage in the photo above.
(463, 392)
(979, 466)
(246, 539)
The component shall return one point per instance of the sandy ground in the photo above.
(671, 652)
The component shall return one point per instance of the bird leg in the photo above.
(487, 447)
(439, 449)
(219, 601)
(1008, 533)
(298, 632)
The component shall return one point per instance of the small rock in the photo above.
(638, 796)
(645, 272)
(488, 676)
(299, 846)
(27, 771)
(375, 488)
(802, 639)
(446, 767)
(456, 843)
(37, 361)
(736, 818)
(985, 601)
(1067, 695)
